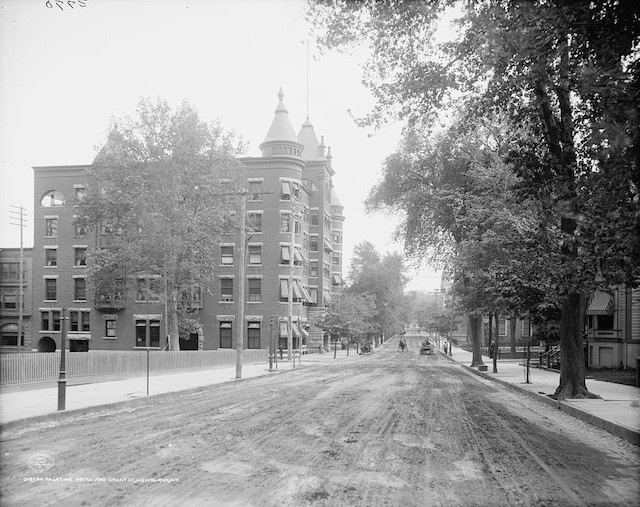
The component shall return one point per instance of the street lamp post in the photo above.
(62, 377)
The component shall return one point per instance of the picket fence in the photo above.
(43, 367)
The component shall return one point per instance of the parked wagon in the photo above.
(426, 348)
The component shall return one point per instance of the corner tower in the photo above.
(281, 139)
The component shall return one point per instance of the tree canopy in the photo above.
(159, 194)
(563, 79)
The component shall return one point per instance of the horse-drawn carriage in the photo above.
(426, 348)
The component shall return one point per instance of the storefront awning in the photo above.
(601, 304)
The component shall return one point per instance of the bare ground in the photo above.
(386, 429)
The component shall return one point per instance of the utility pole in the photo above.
(18, 215)
(241, 275)
(292, 222)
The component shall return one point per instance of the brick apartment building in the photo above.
(295, 239)
(10, 299)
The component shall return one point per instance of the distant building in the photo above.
(613, 328)
(295, 216)
(10, 288)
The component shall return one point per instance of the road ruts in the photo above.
(390, 428)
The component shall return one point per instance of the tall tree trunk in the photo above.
(572, 371)
(475, 328)
(496, 344)
(512, 334)
(172, 319)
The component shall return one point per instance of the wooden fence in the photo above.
(44, 367)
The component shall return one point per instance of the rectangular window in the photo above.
(79, 321)
(255, 289)
(305, 241)
(51, 257)
(50, 320)
(79, 231)
(55, 320)
(502, 327)
(148, 289)
(314, 217)
(313, 246)
(285, 191)
(313, 292)
(254, 222)
(226, 253)
(285, 222)
(110, 328)
(80, 256)
(284, 290)
(295, 187)
(10, 270)
(253, 335)
(154, 333)
(336, 238)
(313, 269)
(285, 254)
(255, 190)
(226, 339)
(526, 327)
(336, 259)
(226, 289)
(147, 333)
(50, 289)
(79, 289)
(141, 333)
(51, 227)
(9, 300)
(255, 254)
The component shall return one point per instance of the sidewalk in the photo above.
(17, 404)
(618, 411)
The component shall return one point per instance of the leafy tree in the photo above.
(568, 69)
(350, 315)
(159, 195)
(384, 278)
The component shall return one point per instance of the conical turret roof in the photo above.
(281, 128)
(309, 140)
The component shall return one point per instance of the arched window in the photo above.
(52, 198)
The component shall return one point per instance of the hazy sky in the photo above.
(64, 73)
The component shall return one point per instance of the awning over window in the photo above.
(285, 253)
(327, 296)
(601, 304)
(337, 279)
(78, 336)
(284, 329)
(305, 294)
(286, 188)
(327, 245)
(284, 288)
(297, 255)
(305, 333)
(296, 329)
(297, 293)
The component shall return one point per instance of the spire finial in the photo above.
(281, 94)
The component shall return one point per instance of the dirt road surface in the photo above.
(390, 428)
